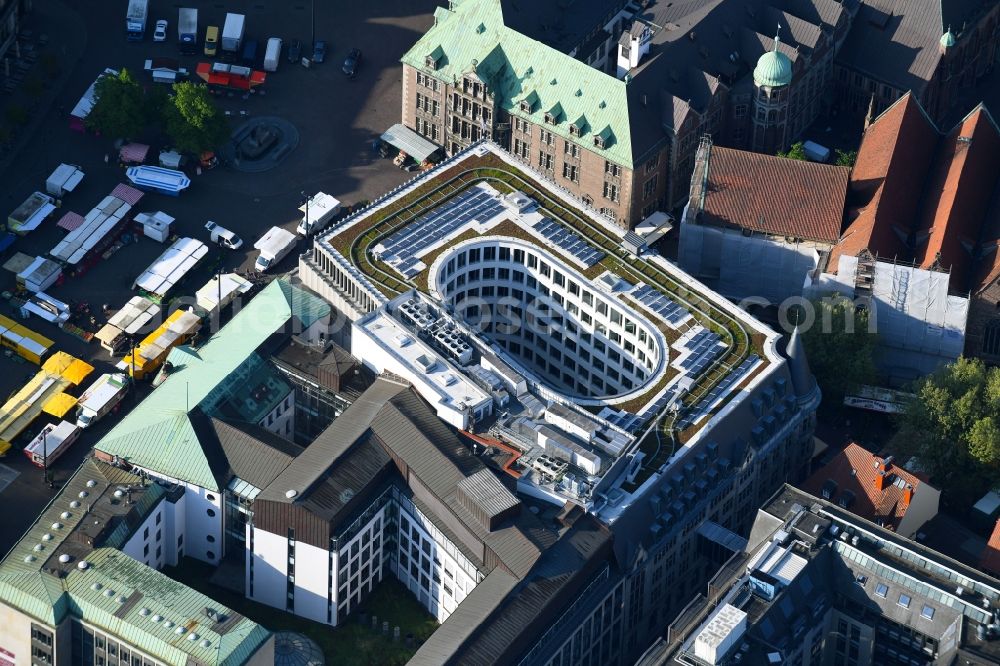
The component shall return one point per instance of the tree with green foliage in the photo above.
(840, 347)
(193, 121)
(118, 110)
(846, 158)
(953, 426)
(796, 151)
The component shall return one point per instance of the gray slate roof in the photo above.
(897, 41)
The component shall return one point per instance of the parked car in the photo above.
(294, 51)
(352, 62)
(160, 33)
(319, 51)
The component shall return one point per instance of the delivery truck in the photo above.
(317, 212)
(222, 236)
(100, 398)
(232, 36)
(51, 442)
(272, 55)
(274, 246)
(187, 30)
(135, 20)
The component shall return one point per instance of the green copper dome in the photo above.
(948, 39)
(773, 69)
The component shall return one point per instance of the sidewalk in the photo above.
(67, 41)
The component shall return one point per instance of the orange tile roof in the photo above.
(990, 560)
(775, 195)
(895, 154)
(959, 194)
(857, 470)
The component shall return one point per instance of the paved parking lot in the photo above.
(337, 120)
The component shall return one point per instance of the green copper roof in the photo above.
(948, 39)
(158, 434)
(114, 592)
(473, 37)
(774, 68)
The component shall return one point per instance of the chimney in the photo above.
(881, 479)
(885, 464)
(907, 495)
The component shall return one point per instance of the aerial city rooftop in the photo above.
(636, 333)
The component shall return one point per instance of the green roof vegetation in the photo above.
(473, 38)
(356, 241)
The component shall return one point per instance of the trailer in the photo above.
(158, 179)
(187, 30)
(274, 246)
(220, 291)
(39, 275)
(29, 215)
(99, 229)
(82, 109)
(100, 398)
(129, 321)
(170, 268)
(46, 307)
(24, 342)
(143, 361)
(317, 213)
(43, 393)
(221, 76)
(815, 152)
(135, 20)
(232, 34)
(165, 70)
(63, 180)
(51, 442)
(155, 225)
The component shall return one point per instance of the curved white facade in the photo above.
(577, 340)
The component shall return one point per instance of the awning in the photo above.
(108, 334)
(133, 153)
(77, 371)
(18, 262)
(70, 221)
(59, 404)
(127, 193)
(402, 137)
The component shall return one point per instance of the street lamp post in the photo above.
(306, 204)
(313, 23)
(45, 456)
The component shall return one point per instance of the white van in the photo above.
(272, 55)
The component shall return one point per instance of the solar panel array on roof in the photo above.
(661, 304)
(568, 241)
(703, 346)
(723, 387)
(401, 250)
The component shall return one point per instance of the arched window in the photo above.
(991, 338)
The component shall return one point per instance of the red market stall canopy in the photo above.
(230, 76)
(133, 153)
(70, 221)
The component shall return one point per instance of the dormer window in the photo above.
(574, 130)
(599, 141)
(549, 118)
(433, 59)
(525, 106)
